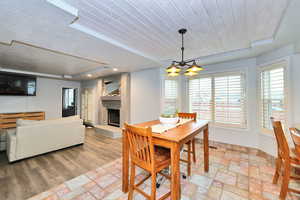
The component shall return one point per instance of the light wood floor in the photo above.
(23, 179)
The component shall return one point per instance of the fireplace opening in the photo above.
(113, 117)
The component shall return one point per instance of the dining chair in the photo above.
(191, 148)
(286, 159)
(145, 155)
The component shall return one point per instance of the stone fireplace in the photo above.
(113, 105)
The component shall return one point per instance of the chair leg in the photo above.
(278, 170)
(189, 159)
(131, 186)
(194, 149)
(285, 181)
(153, 186)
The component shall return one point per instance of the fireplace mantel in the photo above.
(111, 98)
(111, 104)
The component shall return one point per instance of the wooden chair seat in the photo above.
(162, 154)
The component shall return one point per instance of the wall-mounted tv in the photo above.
(17, 84)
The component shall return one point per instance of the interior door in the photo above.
(87, 105)
(69, 102)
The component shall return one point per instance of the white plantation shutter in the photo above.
(229, 101)
(200, 97)
(170, 96)
(272, 79)
(219, 98)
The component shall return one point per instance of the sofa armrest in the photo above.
(11, 146)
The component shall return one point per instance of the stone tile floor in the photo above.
(236, 173)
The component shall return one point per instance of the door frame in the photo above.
(76, 91)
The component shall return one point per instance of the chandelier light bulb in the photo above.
(173, 69)
(190, 73)
(173, 74)
(195, 68)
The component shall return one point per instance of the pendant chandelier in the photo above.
(191, 66)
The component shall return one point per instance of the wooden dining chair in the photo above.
(285, 159)
(144, 154)
(191, 148)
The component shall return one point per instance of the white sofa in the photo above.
(37, 137)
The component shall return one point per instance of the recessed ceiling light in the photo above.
(115, 69)
(89, 75)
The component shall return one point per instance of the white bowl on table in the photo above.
(169, 120)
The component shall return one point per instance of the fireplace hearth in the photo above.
(113, 117)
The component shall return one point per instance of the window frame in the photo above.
(268, 66)
(178, 102)
(188, 94)
(213, 75)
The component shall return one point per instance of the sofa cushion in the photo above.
(75, 117)
(24, 122)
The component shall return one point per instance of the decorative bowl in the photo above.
(168, 120)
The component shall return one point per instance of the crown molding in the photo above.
(51, 50)
(32, 73)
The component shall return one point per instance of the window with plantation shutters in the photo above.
(219, 98)
(229, 101)
(200, 97)
(272, 84)
(170, 96)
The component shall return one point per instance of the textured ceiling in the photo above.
(150, 26)
(43, 25)
(75, 36)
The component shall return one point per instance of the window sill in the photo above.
(267, 132)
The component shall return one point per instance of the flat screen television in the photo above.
(17, 84)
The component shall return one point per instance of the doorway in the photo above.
(69, 102)
(87, 106)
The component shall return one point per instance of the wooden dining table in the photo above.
(173, 139)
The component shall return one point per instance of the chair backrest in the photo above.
(282, 144)
(188, 115)
(141, 145)
(295, 134)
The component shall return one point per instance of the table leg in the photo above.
(206, 150)
(175, 174)
(125, 163)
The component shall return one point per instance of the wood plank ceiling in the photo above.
(150, 26)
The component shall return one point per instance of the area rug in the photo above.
(236, 173)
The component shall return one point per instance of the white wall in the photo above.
(145, 95)
(295, 87)
(48, 98)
